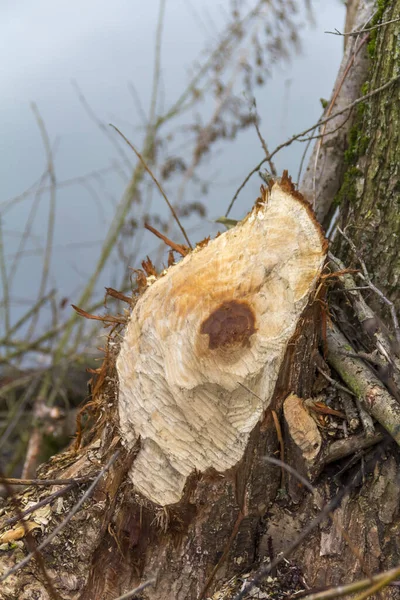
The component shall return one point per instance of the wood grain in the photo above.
(218, 320)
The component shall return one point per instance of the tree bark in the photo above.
(197, 527)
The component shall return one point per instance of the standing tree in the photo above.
(260, 343)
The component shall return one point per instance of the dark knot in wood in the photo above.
(232, 323)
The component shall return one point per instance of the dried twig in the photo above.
(52, 214)
(177, 247)
(147, 168)
(100, 124)
(373, 396)
(272, 167)
(31, 545)
(31, 509)
(330, 108)
(364, 30)
(291, 470)
(4, 283)
(137, 590)
(355, 586)
(303, 133)
(35, 308)
(365, 276)
(335, 383)
(45, 482)
(326, 511)
(63, 523)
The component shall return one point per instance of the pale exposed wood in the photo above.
(302, 427)
(220, 319)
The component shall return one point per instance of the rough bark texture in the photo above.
(324, 174)
(370, 195)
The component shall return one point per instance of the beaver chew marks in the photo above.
(232, 323)
(206, 341)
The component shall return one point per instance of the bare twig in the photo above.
(4, 283)
(52, 214)
(365, 276)
(137, 590)
(365, 30)
(330, 108)
(31, 545)
(291, 470)
(177, 247)
(100, 124)
(303, 133)
(373, 396)
(137, 101)
(63, 523)
(31, 509)
(147, 168)
(326, 511)
(335, 383)
(45, 482)
(351, 588)
(264, 146)
(303, 156)
(157, 65)
(249, 176)
(23, 401)
(35, 308)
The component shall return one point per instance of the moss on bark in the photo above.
(370, 194)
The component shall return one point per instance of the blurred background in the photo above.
(186, 81)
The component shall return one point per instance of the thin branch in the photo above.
(351, 588)
(303, 156)
(33, 346)
(265, 570)
(52, 213)
(63, 523)
(303, 133)
(22, 402)
(335, 383)
(322, 135)
(36, 307)
(4, 283)
(264, 146)
(177, 247)
(45, 482)
(249, 176)
(31, 545)
(337, 32)
(140, 157)
(31, 509)
(140, 588)
(137, 101)
(291, 470)
(157, 65)
(100, 124)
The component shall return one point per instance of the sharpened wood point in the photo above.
(232, 323)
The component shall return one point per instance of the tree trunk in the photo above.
(192, 400)
(370, 195)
